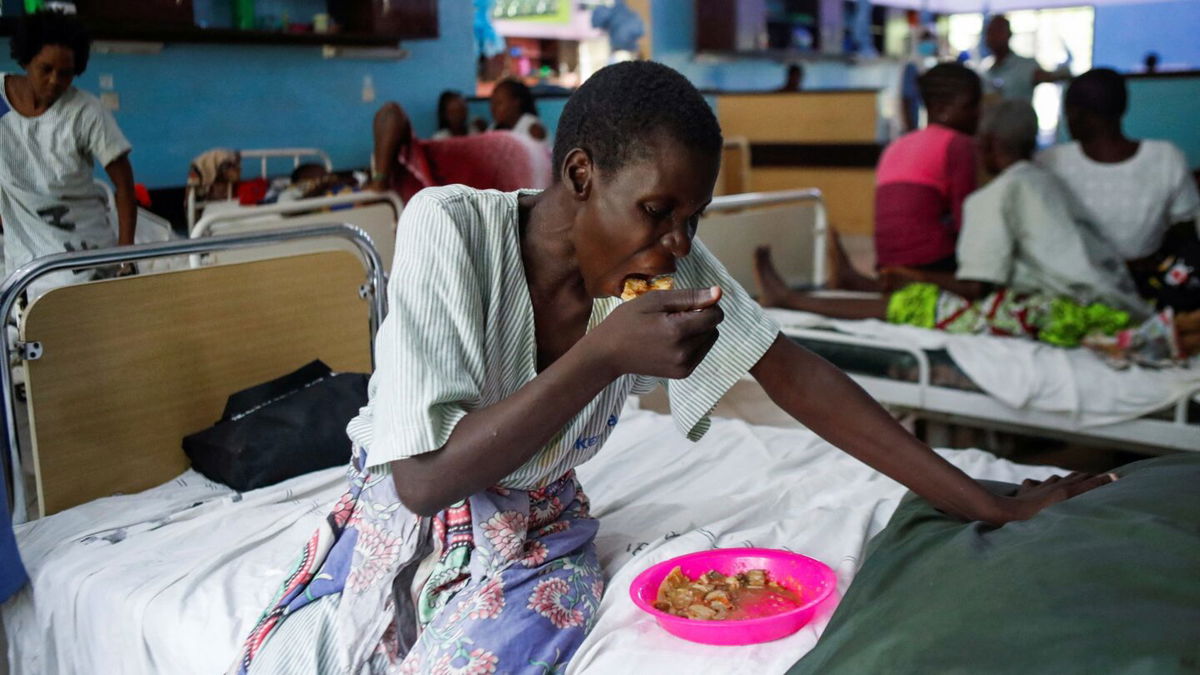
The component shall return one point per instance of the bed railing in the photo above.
(922, 359)
(384, 238)
(373, 289)
(263, 155)
(755, 200)
(930, 400)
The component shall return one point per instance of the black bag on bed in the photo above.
(280, 429)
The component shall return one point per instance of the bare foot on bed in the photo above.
(772, 291)
(844, 275)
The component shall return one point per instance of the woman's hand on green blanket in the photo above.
(1035, 495)
(660, 334)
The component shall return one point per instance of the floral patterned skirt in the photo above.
(517, 584)
(515, 587)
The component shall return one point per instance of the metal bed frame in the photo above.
(14, 286)
(931, 401)
(950, 405)
(813, 196)
(263, 155)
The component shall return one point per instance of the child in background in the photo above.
(452, 116)
(314, 180)
(513, 110)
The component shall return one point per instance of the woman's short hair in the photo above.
(615, 114)
(522, 93)
(35, 31)
(1100, 91)
(444, 103)
(945, 82)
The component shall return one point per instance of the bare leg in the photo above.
(773, 292)
(392, 130)
(845, 276)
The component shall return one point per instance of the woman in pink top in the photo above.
(924, 176)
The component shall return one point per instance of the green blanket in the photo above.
(1108, 582)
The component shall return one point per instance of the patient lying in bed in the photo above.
(1028, 267)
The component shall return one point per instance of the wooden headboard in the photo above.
(132, 365)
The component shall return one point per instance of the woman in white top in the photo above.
(513, 110)
(1131, 191)
(50, 134)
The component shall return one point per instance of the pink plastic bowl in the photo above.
(811, 579)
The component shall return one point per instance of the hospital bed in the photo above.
(979, 381)
(376, 213)
(195, 207)
(170, 578)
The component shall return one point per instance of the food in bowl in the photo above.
(716, 597)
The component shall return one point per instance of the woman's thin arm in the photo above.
(120, 172)
(827, 401)
(662, 334)
(492, 442)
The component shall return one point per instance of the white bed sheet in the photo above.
(169, 580)
(1033, 375)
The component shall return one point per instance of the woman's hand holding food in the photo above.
(660, 334)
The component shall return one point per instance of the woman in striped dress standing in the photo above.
(464, 543)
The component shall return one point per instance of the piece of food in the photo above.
(714, 597)
(635, 286)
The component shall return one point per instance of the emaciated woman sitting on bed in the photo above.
(1028, 265)
(504, 363)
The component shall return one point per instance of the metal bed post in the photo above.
(204, 226)
(374, 290)
(757, 199)
(192, 204)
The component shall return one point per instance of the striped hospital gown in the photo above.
(459, 336)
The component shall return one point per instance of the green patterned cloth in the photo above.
(1057, 321)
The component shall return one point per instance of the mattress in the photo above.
(1022, 374)
(169, 580)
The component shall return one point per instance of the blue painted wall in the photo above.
(1124, 33)
(189, 98)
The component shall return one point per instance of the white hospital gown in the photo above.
(1131, 203)
(459, 336)
(1023, 231)
(48, 201)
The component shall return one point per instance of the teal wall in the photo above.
(1166, 108)
(189, 98)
